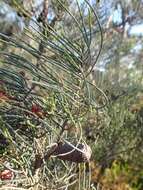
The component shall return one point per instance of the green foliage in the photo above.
(47, 96)
(123, 173)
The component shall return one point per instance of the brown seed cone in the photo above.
(65, 151)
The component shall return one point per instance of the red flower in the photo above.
(2, 93)
(39, 111)
(3, 96)
(6, 175)
(35, 108)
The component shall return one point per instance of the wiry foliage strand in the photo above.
(48, 94)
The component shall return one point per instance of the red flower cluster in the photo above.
(3, 96)
(6, 175)
(37, 110)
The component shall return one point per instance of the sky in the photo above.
(133, 30)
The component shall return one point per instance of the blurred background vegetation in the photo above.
(71, 71)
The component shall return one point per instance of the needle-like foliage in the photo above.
(45, 79)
